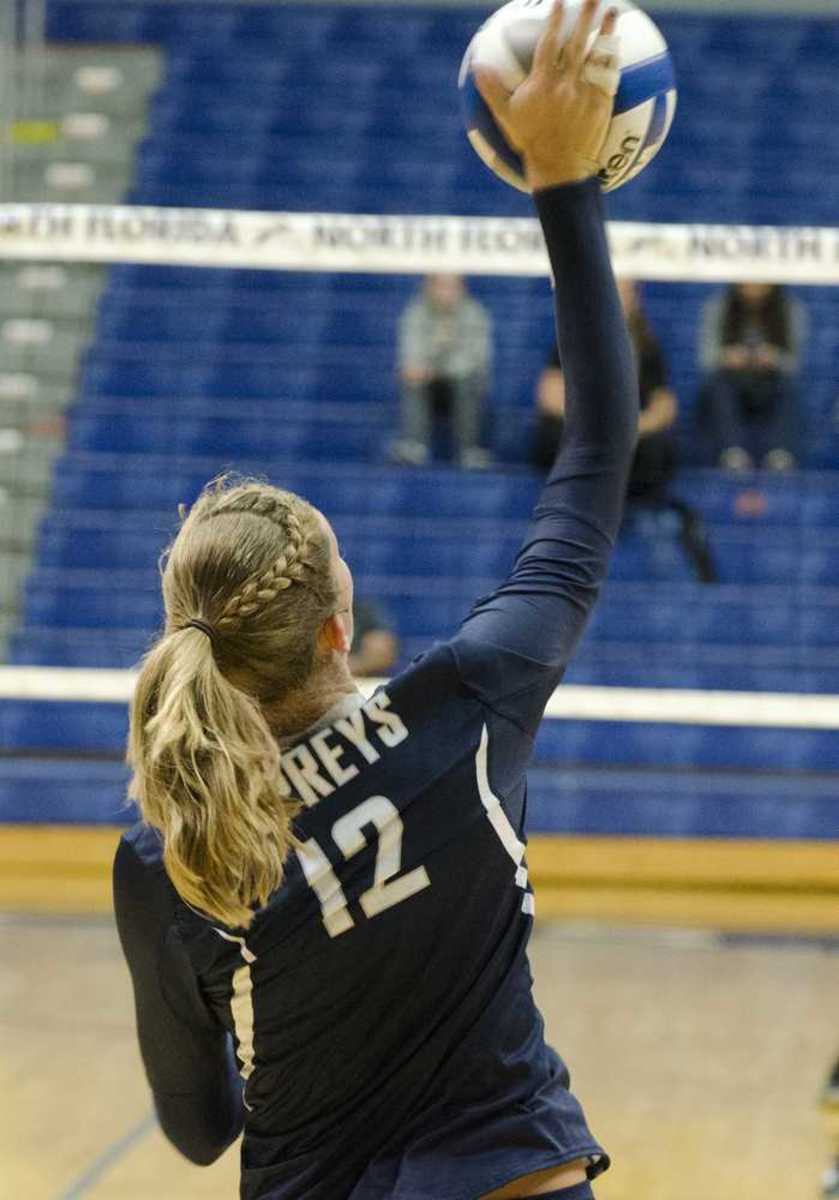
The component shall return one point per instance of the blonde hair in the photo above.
(251, 564)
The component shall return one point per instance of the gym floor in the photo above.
(698, 1059)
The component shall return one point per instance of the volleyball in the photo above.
(645, 103)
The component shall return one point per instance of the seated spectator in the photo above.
(654, 464)
(750, 350)
(375, 647)
(445, 354)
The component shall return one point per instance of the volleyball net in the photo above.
(670, 706)
(377, 244)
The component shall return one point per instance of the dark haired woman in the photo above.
(337, 887)
(655, 457)
(750, 351)
(655, 461)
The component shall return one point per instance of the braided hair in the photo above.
(247, 586)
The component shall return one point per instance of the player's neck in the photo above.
(299, 711)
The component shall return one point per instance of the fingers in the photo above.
(574, 50)
(493, 91)
(549, 46)
(603, 72)
(610, 23)
(602, 67)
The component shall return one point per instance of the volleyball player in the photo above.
(337, 888)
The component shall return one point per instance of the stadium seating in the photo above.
(194, 371)
(563, 800)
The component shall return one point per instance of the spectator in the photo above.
(654, 464)
(750, 350)
(375, 647)
(445, 354)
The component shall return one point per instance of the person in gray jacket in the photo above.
(750, 351)
(445, 356)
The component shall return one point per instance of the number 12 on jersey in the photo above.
(389, 887)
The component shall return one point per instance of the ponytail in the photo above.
(206, 775)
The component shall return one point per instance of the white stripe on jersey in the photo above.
(498, 818)
(241, 1007)
(501, 822)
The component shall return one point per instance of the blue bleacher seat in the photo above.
(195, 371)
(650, 803)
(35, 791)
(47, 726)
(567, 800)
(102, 648)
(271, 433)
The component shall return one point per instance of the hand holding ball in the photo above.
(539, 81)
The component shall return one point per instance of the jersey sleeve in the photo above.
(187, 1055)
(515, 645)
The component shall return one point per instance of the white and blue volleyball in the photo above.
(645, 103)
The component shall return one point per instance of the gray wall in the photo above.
(826, 8)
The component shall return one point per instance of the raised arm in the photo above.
(517, 642)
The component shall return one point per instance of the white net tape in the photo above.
(404, 244)
(658, 706)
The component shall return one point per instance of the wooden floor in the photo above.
(699, 1064)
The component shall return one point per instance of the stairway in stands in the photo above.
(78, 146)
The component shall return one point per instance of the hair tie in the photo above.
(203, 626)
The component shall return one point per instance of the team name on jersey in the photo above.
(333, 756)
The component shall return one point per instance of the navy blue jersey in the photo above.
(380, 1006)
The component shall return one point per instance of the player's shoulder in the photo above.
(145, 901)
(144, 842)
(428, 681)
(139, 857)
(467, 671)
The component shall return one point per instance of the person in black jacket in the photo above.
(655, 461)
